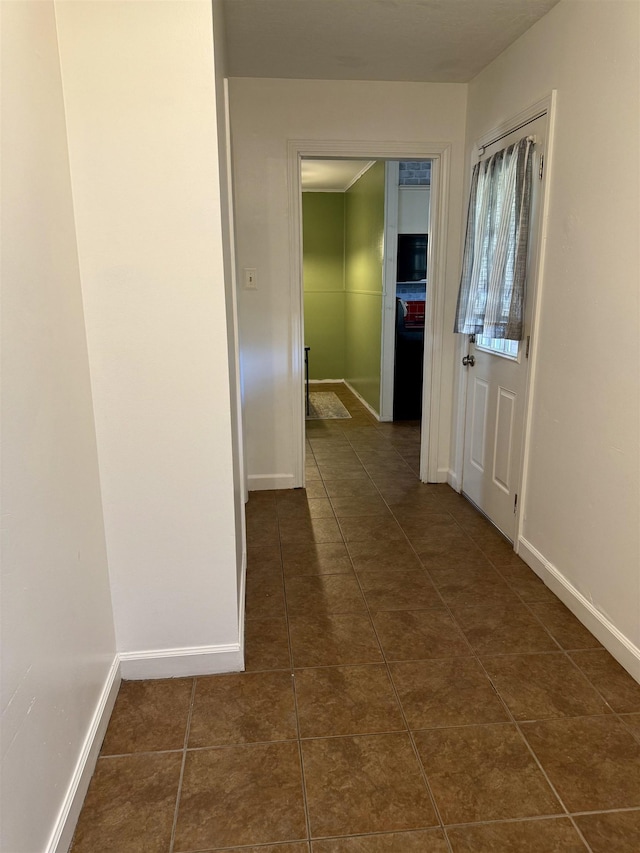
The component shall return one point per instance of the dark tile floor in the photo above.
(411, 687)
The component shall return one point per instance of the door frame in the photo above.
(545, 106)
(440, 155)
(387, 352)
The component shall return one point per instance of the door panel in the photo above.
(502, 452)
(479, 423)
(496, 387)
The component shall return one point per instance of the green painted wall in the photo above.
(364, 240)
(342, 267)
(323, 275)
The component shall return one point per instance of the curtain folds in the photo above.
(492, 288)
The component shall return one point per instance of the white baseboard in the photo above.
(65, 825)
(326, 382)
(182, 662)
(624, 651)
(262, 482)
(362, 400)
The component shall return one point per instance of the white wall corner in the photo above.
(65, 824)
(623, 650)
(182, 662)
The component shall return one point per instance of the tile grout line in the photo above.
(182, 766)
(303, 783)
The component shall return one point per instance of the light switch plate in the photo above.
(250, 278)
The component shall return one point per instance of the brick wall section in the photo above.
(415, 173)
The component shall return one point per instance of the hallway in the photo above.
(435, 693)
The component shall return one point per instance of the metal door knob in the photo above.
(468, 361)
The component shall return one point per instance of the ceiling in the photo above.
(332, 175)
(439, 41)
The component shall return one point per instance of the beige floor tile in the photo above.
(526, 836)
(378, 554)
(130, 804)
(243, 707)
(364, 784)
(563, 625)
(482, 773)
(323, 595)
(149, 716)
(362, 505)
(241, 795)
(422, 841)
(266, 644)
(346, 700)
(632, 722)
(450, 692)
(419, 635)
(329, 558)
(296, 847)
(264, 596)
(594, 762)
(494, 629)
(616, 685)
(333, 640)
(616, 831)
(296, 531)
(537, 687)
(400, 590)
(371, 528)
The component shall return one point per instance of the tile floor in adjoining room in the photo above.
(411, 687)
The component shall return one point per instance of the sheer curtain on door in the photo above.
(492, 288)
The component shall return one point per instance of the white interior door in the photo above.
(497, 382)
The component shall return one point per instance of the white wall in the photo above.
(265, 114)
(581, 505)
(413, 210)
(140, 95)
(58, 645)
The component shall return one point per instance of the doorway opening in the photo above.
(377, 393)
(365, 227)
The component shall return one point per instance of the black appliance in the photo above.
(412, 257)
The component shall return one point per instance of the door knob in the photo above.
(468, 361)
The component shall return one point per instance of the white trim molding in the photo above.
(65, 824)
(182, 662)
(262, 482)
(623, 650)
